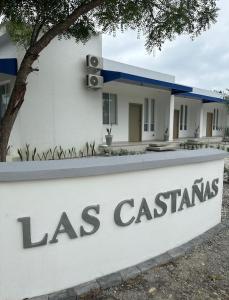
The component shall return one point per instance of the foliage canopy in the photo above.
(157, 20)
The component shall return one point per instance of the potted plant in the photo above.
(166, 135)
(109, 136)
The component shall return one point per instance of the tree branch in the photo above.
(61, 27)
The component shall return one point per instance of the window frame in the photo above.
(181, 116)
(185, 117)
(217, 119)
(152, 115)
(146, 114)
(109, 99)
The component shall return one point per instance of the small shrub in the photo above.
(123, 152)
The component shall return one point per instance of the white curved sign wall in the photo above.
(58, 233)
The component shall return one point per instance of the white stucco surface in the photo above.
(7, 48)
(133, 70)
(207, 92)
(31, 272)
(58, 108)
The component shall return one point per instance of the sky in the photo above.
(202, 63)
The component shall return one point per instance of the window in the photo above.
(181, 117)
(214, 119)
(217, 119)
(109, 108)
(4, 98)
(152, 125)
(186, 117)
(146, 114)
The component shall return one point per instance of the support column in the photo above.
(171, 117)
(201, 121)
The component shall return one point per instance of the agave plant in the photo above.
(87, 149)
(34, 153)
(92, 146)
(19, 151)
(27, 152)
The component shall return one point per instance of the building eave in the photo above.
(122, 77)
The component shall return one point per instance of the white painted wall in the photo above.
(127, 94)
(58, 108)
(133, 70)
(26, 273)
(7, 48)
(207, 92)
(194, 109)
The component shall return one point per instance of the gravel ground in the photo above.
(202, 274)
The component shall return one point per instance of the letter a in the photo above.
(67, 228)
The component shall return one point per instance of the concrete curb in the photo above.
(95, 166)
(132, 272)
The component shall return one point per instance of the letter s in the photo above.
(92, 220)
(215, 187)
(161, 204)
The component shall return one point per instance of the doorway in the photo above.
(135, 122)
(209, 124)
(176, 124)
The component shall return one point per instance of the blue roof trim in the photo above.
(144, 81)
(204, 98)
(8, 66)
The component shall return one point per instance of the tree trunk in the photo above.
(5, 131)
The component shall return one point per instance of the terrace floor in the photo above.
(141, 146)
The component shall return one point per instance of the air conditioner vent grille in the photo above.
(94, 81)
(94, 62)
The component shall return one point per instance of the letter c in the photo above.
(117, 213)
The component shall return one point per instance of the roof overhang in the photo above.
(8, 66)
(203, 98)
(144, 81)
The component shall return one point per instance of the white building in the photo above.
(59, 108)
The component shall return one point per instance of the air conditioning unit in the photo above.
(94, 81)
(94, 62)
